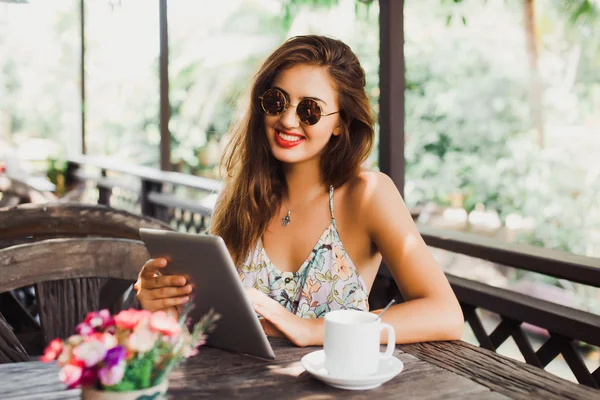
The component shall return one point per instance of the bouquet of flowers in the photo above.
(133, 350)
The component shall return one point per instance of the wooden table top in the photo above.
(452, 370)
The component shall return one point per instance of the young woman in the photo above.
(306, 226)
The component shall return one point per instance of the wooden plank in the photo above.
(171, 201)
(10, 348)
(567, 321)
(72, 219)
(512, 378)
(33, 380)
(555, 263)
(57, 259)
(151, 174)
(219, 374)
(65, 303)
(24, 191)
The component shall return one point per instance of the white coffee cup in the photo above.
(352, 341)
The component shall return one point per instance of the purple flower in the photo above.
(112, 375)
(115, 356)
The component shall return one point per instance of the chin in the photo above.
(287, 157)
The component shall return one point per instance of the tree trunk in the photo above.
(536, 83)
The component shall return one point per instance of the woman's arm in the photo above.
(431, 310)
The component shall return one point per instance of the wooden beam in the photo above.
(165, 108)
(391, 84)
(82, 71)
(576, 268)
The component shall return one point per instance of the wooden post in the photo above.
(165, 107)
(82, 71)
(391, 83)
(104, 193)
(148, 208)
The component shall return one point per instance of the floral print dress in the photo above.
(326, 281)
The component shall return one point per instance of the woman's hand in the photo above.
(161, 292)
(278, 321)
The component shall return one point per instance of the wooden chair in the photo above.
(77, 258)
(11, 349)
(28, 223)
(16, 191)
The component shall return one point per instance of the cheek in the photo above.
(321, 131)
(270, 122)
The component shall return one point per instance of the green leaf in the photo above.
(123, 386)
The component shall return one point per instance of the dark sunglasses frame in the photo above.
(287, 104)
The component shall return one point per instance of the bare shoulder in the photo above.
(371, 189)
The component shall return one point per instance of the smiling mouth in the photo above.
(286, 140)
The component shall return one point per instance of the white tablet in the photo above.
(205, 261)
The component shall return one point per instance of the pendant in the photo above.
(286, 220)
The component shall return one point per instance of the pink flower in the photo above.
(74, 340)
(71, 373)
(52, 351)
(112, 375)
(90, 352)
(65, 355)
(141, 340)
(129, 319)
(99, 319)
(84, 329)
(109, 341)
(165, 324)
(89, 376)
(189, 351)
(107, 319)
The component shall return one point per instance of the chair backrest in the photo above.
(30, 222)
(71, 259)
(11, 349)
(70, 278)
(14, 188)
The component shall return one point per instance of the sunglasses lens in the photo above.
(309, 112)
(273, 102)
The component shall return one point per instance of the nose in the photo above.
(289, 119)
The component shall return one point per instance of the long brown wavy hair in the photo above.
(254, 180)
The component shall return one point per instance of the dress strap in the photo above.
(331, 205)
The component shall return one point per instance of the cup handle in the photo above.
(391, 342)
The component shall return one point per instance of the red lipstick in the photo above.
(288, 144)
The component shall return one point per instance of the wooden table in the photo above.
(449, 370)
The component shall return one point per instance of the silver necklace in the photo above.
(285, 221)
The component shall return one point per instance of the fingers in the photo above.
(164, 293)
(163, 281)
(160, 304)
(270, 330)
(152, 266)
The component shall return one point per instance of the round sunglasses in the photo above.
(274, 102)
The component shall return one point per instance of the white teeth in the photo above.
(289, 138)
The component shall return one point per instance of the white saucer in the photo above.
(314, 364)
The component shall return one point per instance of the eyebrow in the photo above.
(309, 97)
